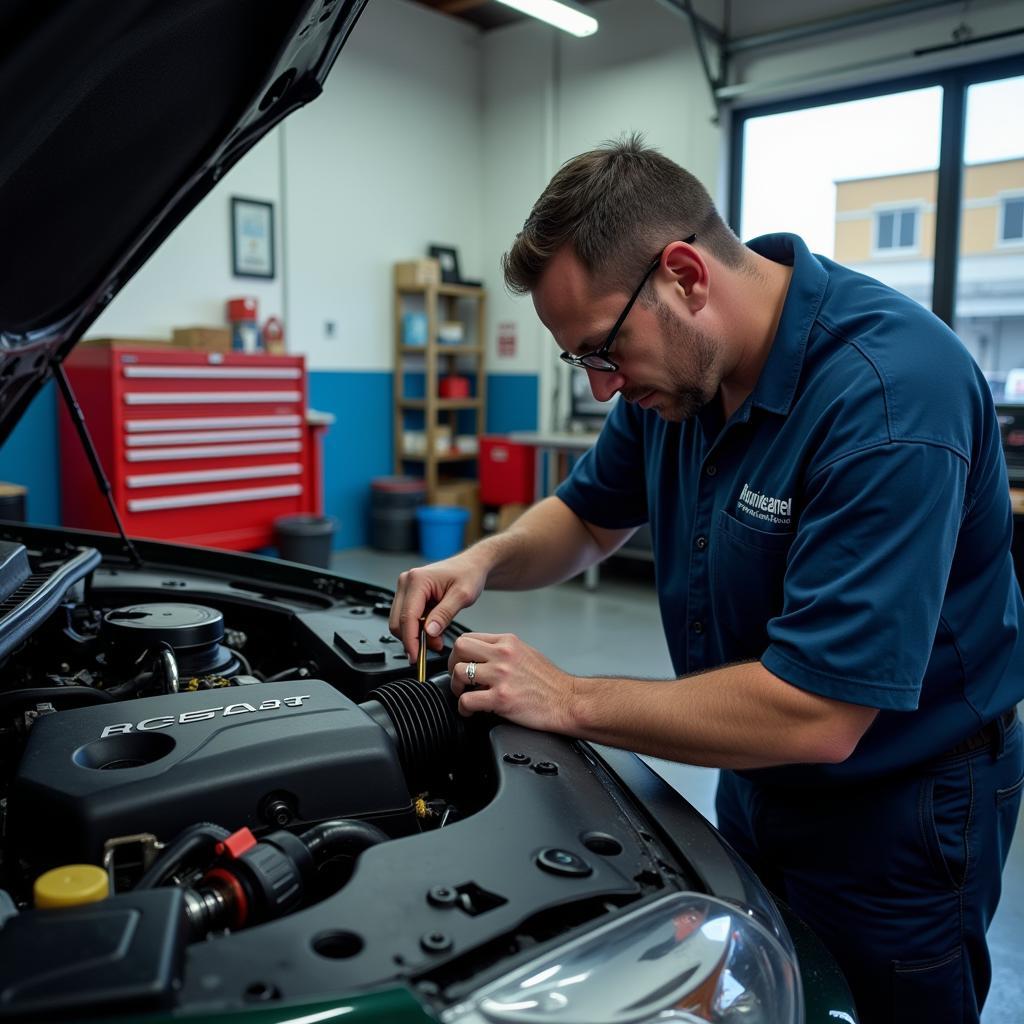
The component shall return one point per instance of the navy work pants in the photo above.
(899, 877)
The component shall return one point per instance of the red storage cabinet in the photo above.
(506, 472)
(200, 448)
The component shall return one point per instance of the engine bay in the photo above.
(234, 751)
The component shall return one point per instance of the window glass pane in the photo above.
(907, 229)
(838, 174)
(885, 224)
(990, 269)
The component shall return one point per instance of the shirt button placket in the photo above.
(698, 597)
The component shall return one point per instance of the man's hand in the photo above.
(511, 679)
(445, 588)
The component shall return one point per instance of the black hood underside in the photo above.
(117, 118)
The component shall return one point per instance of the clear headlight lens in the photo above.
(685, 958)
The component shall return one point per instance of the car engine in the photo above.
(207, 758)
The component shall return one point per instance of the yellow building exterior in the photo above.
(885, 227)
(987, 188)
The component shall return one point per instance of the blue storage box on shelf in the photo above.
(414, 328)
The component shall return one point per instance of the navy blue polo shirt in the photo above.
(849, 526)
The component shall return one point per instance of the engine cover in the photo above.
(226, 756)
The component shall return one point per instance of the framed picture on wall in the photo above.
(448, 257)
(252, 237)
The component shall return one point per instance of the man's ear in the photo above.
(689, 272)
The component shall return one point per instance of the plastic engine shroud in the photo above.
(162, 763)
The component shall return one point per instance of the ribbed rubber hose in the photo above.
(427, 725)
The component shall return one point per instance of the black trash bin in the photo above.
(12, 501)
(393, 504)
(305, 538)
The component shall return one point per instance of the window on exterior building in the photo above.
(1012, 229)
(895, 230)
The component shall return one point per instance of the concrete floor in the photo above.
(616, 629)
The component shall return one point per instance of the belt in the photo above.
(987, 734)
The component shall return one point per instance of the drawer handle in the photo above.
(213, 476)
(202, 422)
(212, 451)
(215, 372)
(209, 397)
(205, 437)
(213, 498)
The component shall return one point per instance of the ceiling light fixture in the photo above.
(563, 14)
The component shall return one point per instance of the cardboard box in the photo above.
(203, 339)
(508, 514)
(417, 273)
(464, 494)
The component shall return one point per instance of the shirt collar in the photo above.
(776, 386)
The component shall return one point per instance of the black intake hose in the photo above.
(342, 836)
(424, 723)
(73, 695)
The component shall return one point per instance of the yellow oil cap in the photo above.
(71, 886)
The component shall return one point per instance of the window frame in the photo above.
(954, 83)
(880, 210)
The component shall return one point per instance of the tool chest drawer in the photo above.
(200, 448)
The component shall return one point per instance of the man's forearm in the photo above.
(549, 543)
(740, 716)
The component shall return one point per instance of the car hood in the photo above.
(117, 120)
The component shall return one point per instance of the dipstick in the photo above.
(421, 659)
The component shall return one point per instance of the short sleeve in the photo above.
(866, 574)
(607, 485)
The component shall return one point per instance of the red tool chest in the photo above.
(200, 447)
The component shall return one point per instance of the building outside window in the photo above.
(867, 194)
(990, 289)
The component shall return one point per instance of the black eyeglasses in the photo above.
(598, 359)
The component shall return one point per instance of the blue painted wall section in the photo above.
(30, 457)
(357, 446)
(511, 402)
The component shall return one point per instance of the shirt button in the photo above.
(711, 470)
(702, 543)
(698, 626)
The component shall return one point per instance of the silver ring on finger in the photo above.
(471, 671)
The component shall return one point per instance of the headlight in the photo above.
(684, 958)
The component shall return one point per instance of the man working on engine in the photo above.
(819, 461)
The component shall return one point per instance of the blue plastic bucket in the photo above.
(441, 530)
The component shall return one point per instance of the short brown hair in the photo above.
(617, 205)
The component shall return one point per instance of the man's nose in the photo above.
(604, 385)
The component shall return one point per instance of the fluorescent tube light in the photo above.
(561, 13)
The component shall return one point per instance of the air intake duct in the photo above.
(423, 721)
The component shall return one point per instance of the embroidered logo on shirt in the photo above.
(765, 507)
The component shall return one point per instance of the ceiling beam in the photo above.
(458, 6)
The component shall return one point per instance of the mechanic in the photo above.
(819, 461)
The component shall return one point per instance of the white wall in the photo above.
(548, 97)
(188, 278)
(385, 162)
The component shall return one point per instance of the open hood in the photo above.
(117, 118)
